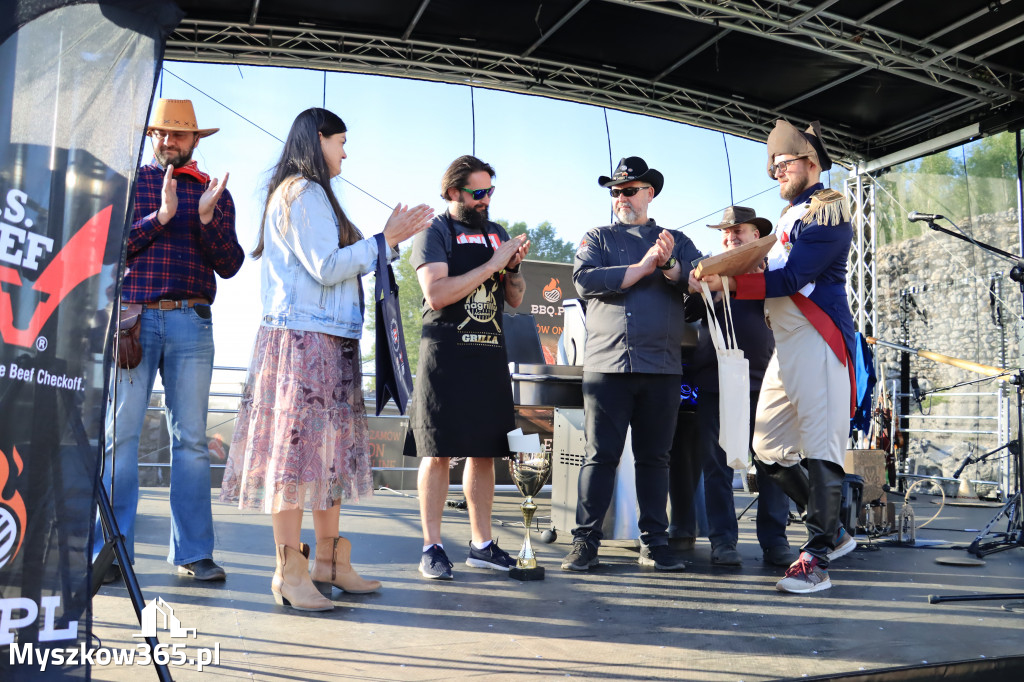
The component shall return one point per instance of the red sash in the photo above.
(832, 336)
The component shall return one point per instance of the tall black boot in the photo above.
(792, 479)
(826, 480)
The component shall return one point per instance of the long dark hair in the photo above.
(303, 158)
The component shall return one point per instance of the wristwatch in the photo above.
(669, 264)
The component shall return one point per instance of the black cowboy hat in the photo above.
(740, 215)
(633, 168)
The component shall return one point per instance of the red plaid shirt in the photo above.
(178, 260)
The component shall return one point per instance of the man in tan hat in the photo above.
(182, 237)
(739, 225)
(803, 414)
(633, 275)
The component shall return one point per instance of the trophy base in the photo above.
(517, 573)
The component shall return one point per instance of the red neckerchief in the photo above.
(192, 169)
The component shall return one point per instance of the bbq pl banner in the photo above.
(76, 82)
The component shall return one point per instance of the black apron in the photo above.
(462, 397)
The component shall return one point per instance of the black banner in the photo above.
(547, 285)
(76, 82)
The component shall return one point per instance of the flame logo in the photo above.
(552, 292)
(12, 512)
(80, 259)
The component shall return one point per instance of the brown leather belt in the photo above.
(167, 304)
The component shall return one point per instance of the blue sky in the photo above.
(403, 133)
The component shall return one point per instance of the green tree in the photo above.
(544, 242)
(991, 170)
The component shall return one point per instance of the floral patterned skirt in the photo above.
(301, 438)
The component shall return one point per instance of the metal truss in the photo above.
(858, 42)
(314, 48)
(979, 84)
(861, 278)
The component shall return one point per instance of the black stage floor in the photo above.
(617, 622)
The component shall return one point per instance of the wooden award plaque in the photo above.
(738, 261)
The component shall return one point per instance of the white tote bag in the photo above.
(733, 383)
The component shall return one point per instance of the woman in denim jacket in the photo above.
(301, 437)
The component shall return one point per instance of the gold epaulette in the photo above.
(828, 207)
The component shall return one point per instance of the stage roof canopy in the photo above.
(881, 75)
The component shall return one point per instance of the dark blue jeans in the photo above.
(612, 403)
(772, 503)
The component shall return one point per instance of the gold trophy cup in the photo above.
(530, 472)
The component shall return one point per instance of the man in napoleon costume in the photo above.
(803, 413)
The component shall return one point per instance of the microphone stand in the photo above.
(1014, 507)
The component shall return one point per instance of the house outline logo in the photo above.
(170, 621)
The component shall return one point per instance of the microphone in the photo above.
(914, 217)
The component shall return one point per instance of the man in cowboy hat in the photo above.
(803, 413)
(633, 275)
(739, 225)
(182, 237)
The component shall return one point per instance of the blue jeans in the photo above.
(772, 503)
(178, 344)
(612, 403)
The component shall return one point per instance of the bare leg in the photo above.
(432, 483)
(287, 527)
(478, 484)
(326, 522)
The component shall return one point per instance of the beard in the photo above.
(175, 158)
(626, 215)
(794, 188)
(475, 218)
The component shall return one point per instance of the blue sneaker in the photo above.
(434, 564)
(490, 556)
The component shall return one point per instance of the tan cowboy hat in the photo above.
(740, 215)
(177, 115)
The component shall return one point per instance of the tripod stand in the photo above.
(1013, 510)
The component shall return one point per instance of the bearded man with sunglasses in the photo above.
(803, 412)
(633, 275)
(462, 407)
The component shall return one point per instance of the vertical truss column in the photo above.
(861, 277)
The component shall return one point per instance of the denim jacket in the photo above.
(308, 282)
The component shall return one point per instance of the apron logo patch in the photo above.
(481, 307)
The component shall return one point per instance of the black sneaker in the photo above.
(434, 564)
(583, 557)
(204, 569)
(662, 557)
(490, 556)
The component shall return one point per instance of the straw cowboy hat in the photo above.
(177, 115)
(739, 215)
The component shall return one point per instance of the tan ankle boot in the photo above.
(332, 567)
(291, 584)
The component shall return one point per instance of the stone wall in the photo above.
(938, 293)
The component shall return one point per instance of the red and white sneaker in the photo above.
(805, 575)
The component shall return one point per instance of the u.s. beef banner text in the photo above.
(76, 82)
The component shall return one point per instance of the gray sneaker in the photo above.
(583, 557)
(805, 575)
(662, 557)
